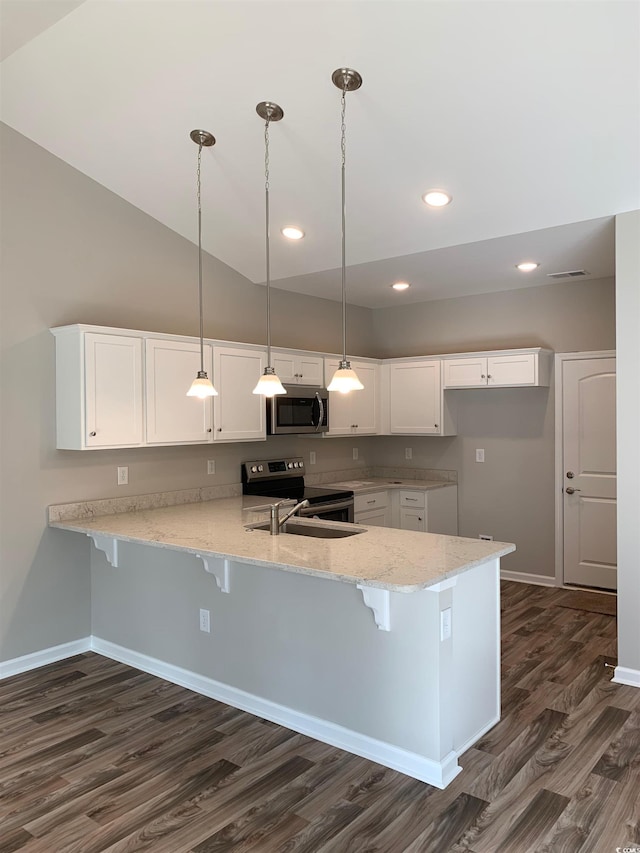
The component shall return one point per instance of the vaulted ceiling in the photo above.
(528, 113)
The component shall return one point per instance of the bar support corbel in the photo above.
(108, 545)
(219, 568)
(377, 600)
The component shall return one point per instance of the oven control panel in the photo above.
(270, 468)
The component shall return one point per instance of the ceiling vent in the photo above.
(568, 274)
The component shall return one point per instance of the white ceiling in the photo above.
(527, 112)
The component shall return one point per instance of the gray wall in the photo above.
(74, 252)
(511, 495)
(628, 410)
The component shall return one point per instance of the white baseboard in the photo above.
(16, 666)
(438, 773)
(624, 675)
(523, 577)
(476, 737)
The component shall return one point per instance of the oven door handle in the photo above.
(317, 508)
(320, 411)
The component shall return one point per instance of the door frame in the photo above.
(559, 359)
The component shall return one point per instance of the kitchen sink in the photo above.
(316, 531)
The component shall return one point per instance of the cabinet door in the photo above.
(113, 390)
(340, 405)
(465, 372)
(512, 369)
(296, 369)
(311, 370)
(374, 517)
(412, 519)
(355, 413)
(171, 416)
(364, 404)
(415, 398)
(238, 413)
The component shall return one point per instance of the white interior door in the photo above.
(589, 471)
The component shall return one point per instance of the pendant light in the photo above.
(345, 378)
(269, 385)
(201, 386)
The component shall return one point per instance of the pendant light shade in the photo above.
(268, 385)
(201, 386)
(345, 378)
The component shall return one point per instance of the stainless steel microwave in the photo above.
(300, 410)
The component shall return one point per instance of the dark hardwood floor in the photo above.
(97, 756)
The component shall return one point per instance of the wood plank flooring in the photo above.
(96, 756)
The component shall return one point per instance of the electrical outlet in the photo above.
(312, 457)
(486, 537)
(123, 475)
(408, 453)
(445, 624)
(355, 453)
(479, 454)
(205, 621)
(211, 466)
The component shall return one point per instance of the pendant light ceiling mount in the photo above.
(268, 111)
(269, 385)
(201, 386)
(345, 379)
(346, 79)
(203, 138)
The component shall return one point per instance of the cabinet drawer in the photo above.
(361, 503)
(412, 498)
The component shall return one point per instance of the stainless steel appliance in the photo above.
(284, 478)
(300, 410)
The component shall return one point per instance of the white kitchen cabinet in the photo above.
(508, 369)
(416, 403)
(171, 416)
(373, 509)
(238, 413)
(298, 368)
(428, 510)
(99, 389)
(355, 413)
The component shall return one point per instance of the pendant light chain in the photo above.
(267, 236)
(200, 260)
(343, 147)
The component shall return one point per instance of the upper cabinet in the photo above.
(171, 416)
(298, 368)
(508, 369)
(238, 413)
(121, 388)
(355, 413)
(99, 389)
(416, 404)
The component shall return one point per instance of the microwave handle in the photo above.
(320, 411)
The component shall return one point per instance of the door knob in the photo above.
(570, 490)
(570, 475)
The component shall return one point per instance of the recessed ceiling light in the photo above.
(436, 198)
(401, 285)
(293, 233)
(527, 266)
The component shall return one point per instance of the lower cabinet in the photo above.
(429, 511)
(423, 510)
(373, 509)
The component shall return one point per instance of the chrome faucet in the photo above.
(276, 523)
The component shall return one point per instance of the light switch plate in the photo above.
(479, 454)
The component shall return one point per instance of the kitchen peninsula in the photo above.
(384, 643)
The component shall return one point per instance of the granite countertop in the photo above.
(376, 484)
(397, 560)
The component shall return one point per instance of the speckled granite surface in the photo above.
(398, 560)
